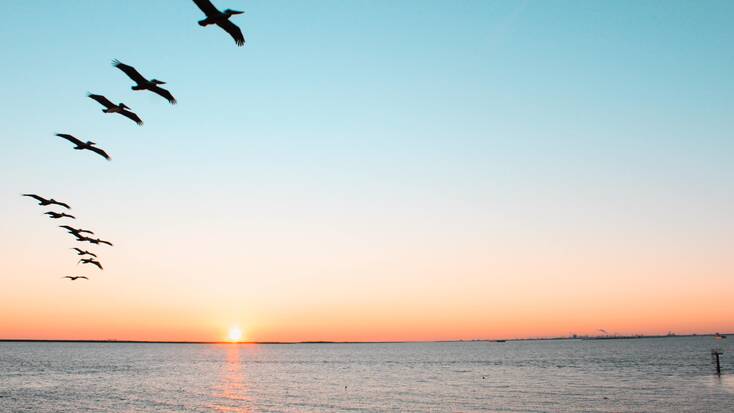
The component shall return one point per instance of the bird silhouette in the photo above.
(120, 108)
(88, 145)
(221, 19)
(142, 83)
(75, 277)
(45, 202)
(91, 261)
(95, 241)
(76, 231)
(80, 251)
(56, 215)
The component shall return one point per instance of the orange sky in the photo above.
(434, 291)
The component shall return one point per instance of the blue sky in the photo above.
(565, 103)
(529, 123)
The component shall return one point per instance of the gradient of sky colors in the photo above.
(372, 170)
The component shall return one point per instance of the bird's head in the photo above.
(230, 12)
(90, 143)
(157, 82)
(124, 106)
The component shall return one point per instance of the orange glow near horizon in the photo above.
(408, 286)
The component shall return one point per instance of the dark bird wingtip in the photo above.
(115, 62)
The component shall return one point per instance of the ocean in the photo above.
(634, 375)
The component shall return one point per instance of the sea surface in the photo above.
(637, 375)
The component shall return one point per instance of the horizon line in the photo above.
(587, 337)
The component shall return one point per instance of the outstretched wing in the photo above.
(131, 115)
(233, 31)
(100, 152)
(207, 7)
(101, 100)
(163, 92)
(105, 242)
(97, 263)
(129, 71)
(36, 197)
(61, 204)
(70, 138)
(83, 277)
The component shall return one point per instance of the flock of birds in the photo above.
(213, 16)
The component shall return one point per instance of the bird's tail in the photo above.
(203, 23)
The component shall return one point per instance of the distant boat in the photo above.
(719, 336)
(500, 341)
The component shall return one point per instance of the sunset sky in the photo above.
(371, 170)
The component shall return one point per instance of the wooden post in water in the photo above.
(715, 353)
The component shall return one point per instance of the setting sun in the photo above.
(235, 334)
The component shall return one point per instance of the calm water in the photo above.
(651, 375)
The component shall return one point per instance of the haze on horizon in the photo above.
(373, 170)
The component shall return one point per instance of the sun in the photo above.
(235, 334)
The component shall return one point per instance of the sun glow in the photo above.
(235, 334)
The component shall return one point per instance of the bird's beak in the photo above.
(237, 12)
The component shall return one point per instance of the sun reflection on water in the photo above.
(231, 393)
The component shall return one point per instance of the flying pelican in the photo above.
(95, 241)
(91, 261)
(89, 145)
(80, 251)
(120, 108)
(221, 19)
(76, 231)
(56, 215)
(45, 202)
(143, 83)
(75, 277)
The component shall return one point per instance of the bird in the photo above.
(76, 231)
(95, 241)
(120, 108)
(91, 261)
(143, 83)
(75, 277)
(221, 19)
(56, 215)
(80, 251)
(45, 202)
(89, 145)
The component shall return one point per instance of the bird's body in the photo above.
(141, 83)
(46, 202)
(75, 277)
(120, 108)
(80, 251)
(88, 145)
(91, 261)
(57, 215)
(221, 19)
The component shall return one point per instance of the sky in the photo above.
(371, 170)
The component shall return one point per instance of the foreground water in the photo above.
(645, 375)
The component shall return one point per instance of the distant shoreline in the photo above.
(581, 338)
